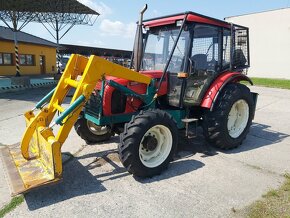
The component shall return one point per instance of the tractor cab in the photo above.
(192, 50)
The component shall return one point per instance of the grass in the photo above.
(11, 205)
(275, 203)
(273, 83)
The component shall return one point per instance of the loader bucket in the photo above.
(40, 168)
(24, 175)
(36, 161)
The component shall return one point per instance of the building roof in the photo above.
(260, 12)
(60, 6)
(65, 11)
(7, 34)
(86, 50)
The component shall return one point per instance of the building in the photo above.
(269, 42)
(36, 55)
(118, 56)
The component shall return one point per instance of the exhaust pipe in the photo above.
(138, 43)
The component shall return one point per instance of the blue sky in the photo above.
(115, 27)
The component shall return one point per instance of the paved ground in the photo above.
(202, 182)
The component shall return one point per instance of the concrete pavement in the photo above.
(202, 182)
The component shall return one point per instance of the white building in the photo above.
(269, 42)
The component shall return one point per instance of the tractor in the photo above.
(186, 69)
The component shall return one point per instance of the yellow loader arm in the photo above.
(37, 160)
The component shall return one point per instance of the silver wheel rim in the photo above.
(238, 118)
(157, 156)
(97, 130)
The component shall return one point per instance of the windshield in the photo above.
(160, 41)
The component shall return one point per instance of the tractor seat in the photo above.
(239, 59)
(200, 61)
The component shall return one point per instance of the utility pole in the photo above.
(15, 30)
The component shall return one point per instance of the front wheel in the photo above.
(148, 143)
(228, 124)
(91, 132)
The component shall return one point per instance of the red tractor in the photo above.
(186, 68)
(196, 63)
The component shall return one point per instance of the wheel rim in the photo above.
(238, 118)
(97, 130)
(155, 156)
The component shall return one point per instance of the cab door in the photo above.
(205, 62)
(177, 64)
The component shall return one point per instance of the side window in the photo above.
(159, 45)
(177, 60)
(205, 54)
(26, 59)
(6, 59)
(226, 48)
(153, 55)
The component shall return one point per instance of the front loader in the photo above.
(37, 159)
(186, 70)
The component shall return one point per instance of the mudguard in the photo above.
(212, 93)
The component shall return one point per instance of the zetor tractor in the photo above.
(186, 68)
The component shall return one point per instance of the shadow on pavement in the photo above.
(175, 168)
(77, 181)
(110, 157)
(262, 135)
(195, 144)
(265, 132)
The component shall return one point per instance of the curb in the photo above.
(22, 87)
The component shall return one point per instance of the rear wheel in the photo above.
(91, 132)
(228, 124)
(148, 143)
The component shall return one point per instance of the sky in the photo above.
(115, 27)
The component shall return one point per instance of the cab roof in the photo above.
(191, 17)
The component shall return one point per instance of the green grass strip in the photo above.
(12, 205)
(275, 203)
(273, 83)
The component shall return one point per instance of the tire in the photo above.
(228, 124)
(90, 132)
(148, 143)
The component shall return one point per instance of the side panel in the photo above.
(218, 84)
(131, 103)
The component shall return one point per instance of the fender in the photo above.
(211, 95)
